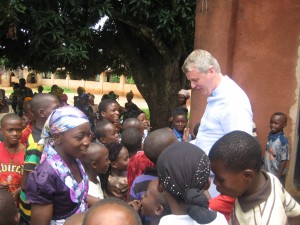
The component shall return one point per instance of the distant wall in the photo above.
(96, 87)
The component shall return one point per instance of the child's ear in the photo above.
(102, 140)
(93, 164)
(56, 138)
(114, 165)
(160, 187)
(159, 210)
(102, 114)
(40, 111)
(248, 175)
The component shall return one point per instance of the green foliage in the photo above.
(147, 113)
(55, 34)
(129, 80)
(114, 78)
(66, 90)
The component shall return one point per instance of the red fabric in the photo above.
(136, 166)
(222, 204)
(11, 168)
(25, 134)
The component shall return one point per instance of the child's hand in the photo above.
(136, 204)
(15, 194)
(186, 134)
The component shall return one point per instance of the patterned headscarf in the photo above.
(63, 119)
(185, 93)
(183, 170)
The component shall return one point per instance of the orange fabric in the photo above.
(222, 204)
(25, 134)
(136, 166)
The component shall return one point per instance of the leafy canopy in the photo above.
(45, 35)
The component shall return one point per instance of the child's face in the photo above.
(181, 99)
(277, 123)
(122, 160)
(228, 183)
(28, 113)
(179, 122)
(143, 117)
(102, 163)
(112, 113)
(12, 131)
(75, 142)
(111, 134)
(25, 121)
(150, 199)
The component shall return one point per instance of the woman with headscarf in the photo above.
(58, 187)
(183, 171)
(182, 97)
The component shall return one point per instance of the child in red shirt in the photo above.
(11, 154)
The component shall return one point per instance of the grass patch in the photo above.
(147, 113)
(66, 90)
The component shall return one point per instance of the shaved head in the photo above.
(41, 101)
(8, 209)
(156, 141)
(112, 211)
(95, 150)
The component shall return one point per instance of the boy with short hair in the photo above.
(8, 208)
(133, 123)
(236, 162)
(106, 132)
(41, 106)
(153, 204)
(179, 123)
(277, 149)
(138, 162)
(11, 154)
(96, 162)
(154, 144)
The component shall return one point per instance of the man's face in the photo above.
(201, 81)
(228, 182)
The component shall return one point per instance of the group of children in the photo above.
(125, 175)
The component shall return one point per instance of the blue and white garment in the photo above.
(277, 150)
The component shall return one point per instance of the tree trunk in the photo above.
(157, 77)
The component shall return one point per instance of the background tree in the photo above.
(147, 39)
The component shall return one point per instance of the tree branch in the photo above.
(144, 30)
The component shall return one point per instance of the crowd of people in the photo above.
(92, 163)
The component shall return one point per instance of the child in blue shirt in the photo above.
(277, 149)
(179, 124)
